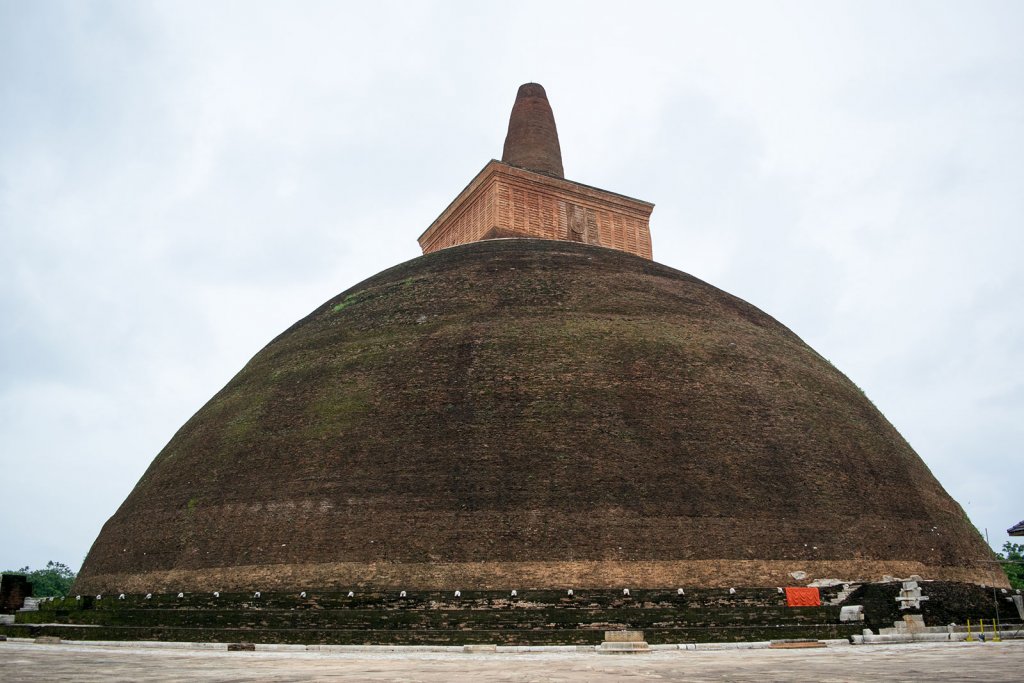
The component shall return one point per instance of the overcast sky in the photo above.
(181, 181)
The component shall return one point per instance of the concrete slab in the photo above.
(26, 661)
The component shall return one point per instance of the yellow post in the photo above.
(995, 633)
(981, 630)
(970, 636)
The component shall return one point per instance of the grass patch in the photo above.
(349, 300)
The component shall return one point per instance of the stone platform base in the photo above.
(585, 618)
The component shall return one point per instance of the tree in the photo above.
(1013, 554)
(55, 580)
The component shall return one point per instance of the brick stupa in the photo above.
(534, 414)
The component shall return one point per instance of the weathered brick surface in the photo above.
(14, 588)
(506, 201)
(532, 139)
(530, 413)
(539, 575)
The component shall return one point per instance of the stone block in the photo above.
(623, 642)
(30, 605)
(482, 647)
(47, 640)
(624, 636)
(241, 647)
(914, 623)
(851, 613)
(794, 644)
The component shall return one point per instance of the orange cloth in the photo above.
(803, 597)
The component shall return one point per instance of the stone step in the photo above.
(500, 636)
(612, 648)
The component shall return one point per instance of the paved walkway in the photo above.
(23, 661)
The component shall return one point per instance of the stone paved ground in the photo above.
(23, 661)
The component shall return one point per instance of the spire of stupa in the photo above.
(532, 140)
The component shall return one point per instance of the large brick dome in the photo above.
(523, 413)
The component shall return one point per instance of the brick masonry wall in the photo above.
(529, 575)
(511, 201)
(534, 413)
(14, 588)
